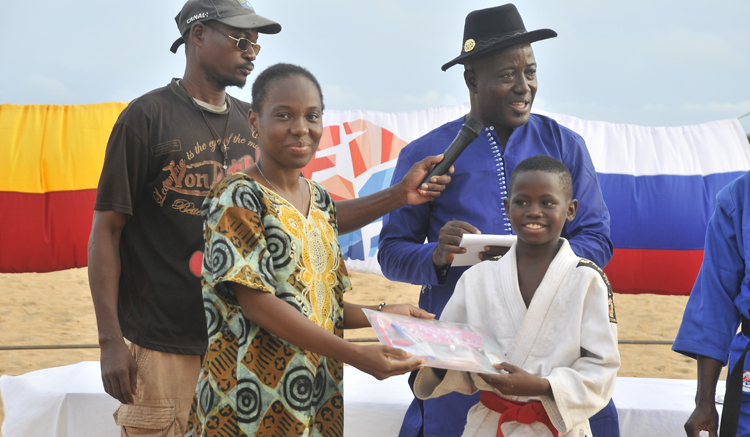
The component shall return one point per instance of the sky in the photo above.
(645, 62)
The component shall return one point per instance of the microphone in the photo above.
(469, 131)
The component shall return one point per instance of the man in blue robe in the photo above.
(719, 301)
(500, 72)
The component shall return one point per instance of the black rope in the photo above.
(49, 346)
(351, 340)
(665, 342)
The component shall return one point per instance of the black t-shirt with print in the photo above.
(161, 161)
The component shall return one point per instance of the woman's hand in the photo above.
(383, 361)
(407, 310)
(355, 213)
(354, 317)
(517, 382)
(285, 322)
(414, 191)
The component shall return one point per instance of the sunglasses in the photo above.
(243, 44)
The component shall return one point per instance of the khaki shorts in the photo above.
(165, 389)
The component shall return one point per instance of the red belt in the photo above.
(521, 412)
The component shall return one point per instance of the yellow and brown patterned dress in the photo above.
(253, 383)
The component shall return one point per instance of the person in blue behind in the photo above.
(719, 301)
(500, 72)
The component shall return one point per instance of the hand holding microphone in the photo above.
(469, 131)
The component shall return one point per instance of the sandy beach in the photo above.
(56, 308)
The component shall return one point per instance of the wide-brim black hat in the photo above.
(495, 28)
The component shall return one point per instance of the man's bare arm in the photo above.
(705, 417)
(118, 366)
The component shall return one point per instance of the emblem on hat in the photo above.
(469, 45)
(246, 3)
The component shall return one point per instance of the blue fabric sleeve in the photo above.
(589, 232)
(711, 317)
(402, 252)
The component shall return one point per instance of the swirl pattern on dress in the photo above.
(252, 379)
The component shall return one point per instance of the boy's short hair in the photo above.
(548, 164)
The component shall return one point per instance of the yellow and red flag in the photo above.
(50, 160)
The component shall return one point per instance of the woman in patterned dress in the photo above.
(274, 279)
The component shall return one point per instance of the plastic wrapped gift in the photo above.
(445, 345)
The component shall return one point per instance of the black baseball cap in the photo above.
(235, 13)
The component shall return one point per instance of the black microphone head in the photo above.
(474, 125)
(469, 132)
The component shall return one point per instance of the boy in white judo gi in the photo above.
(551, 312)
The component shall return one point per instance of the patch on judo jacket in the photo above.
(610, 295)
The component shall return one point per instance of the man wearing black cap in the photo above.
(166, 150)
(500, 73)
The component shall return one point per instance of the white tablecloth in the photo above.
(651, 407)
(58, 402)
(70, 401)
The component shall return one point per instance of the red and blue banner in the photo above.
(660, 186)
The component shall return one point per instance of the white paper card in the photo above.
(475, 243)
